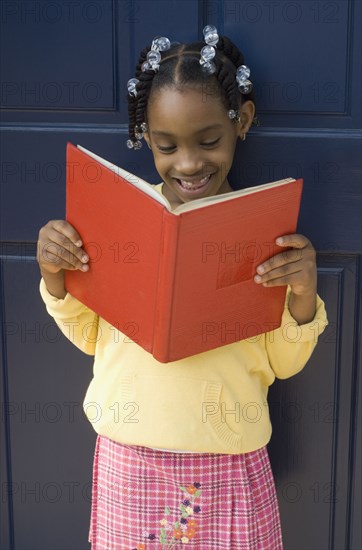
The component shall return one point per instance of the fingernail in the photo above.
(279, 241)
(260, 269)
(85, 267)
(85, 258)
(257, 279)
(78, 243)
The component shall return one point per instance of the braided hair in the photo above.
(180, 67)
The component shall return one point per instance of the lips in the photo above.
(194, 185)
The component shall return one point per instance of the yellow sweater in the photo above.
(211, 402)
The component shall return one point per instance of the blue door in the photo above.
(64, 66)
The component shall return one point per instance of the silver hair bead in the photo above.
(209, 67)
(242, 75)
(208, 53)
(210, 35)
(146, 66)
(131, 86)
(245, 87)
(242, 72)
(133, 144)
(234, 115)
(161, 43)
(153, 57)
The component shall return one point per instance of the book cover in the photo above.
(180, 282)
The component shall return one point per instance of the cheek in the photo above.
(163, 165)
(223, 159)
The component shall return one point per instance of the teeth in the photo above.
(196, 183)
(187, 184)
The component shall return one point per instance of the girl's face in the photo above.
(193, 142)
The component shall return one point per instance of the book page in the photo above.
(191, 205)
(205, 201)
(131, 178)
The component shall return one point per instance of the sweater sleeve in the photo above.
(75, 320)
(290, 346)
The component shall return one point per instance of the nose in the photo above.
(188, 163)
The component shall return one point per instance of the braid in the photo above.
(179, 67)
(144, 86)
(132, 104)
(230, 50)
(225, 76)
(135, 115)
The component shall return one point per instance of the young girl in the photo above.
(181, 456)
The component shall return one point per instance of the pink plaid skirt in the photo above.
(144, 499)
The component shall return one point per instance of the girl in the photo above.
(181, 456)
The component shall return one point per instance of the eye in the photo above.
(165, 149)
(172, 147)
(210, 143)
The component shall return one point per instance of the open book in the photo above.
(176, 282)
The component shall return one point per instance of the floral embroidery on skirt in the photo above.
(182, 530)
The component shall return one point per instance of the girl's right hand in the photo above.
(57, 248)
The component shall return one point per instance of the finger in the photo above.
(61, 232)
(290, 279)
(63, 241)
(286, 257)
(58, 246)
(64, 227)
(295, 239)
(62, 257)
(279, 273)
(53, 255)
(62, 263)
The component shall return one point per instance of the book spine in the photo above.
(165, 289)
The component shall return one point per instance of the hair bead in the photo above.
(161, 43)
(242, 76)
(133, 144)
(245, 87)
(154, 58)
(210, 35)
(131, 86)
(234, 115)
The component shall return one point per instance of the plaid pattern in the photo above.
(147, 499)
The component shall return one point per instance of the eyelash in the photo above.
(170, 149)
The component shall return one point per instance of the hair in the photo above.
(180, 68)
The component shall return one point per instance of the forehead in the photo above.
(184, 112)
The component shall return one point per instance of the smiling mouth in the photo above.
(194, 185)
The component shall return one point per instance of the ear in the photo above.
(247, 113)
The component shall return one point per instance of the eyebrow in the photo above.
(211, 127)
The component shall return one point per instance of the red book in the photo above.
(179, 282)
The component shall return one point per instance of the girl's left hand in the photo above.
(295, 267)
